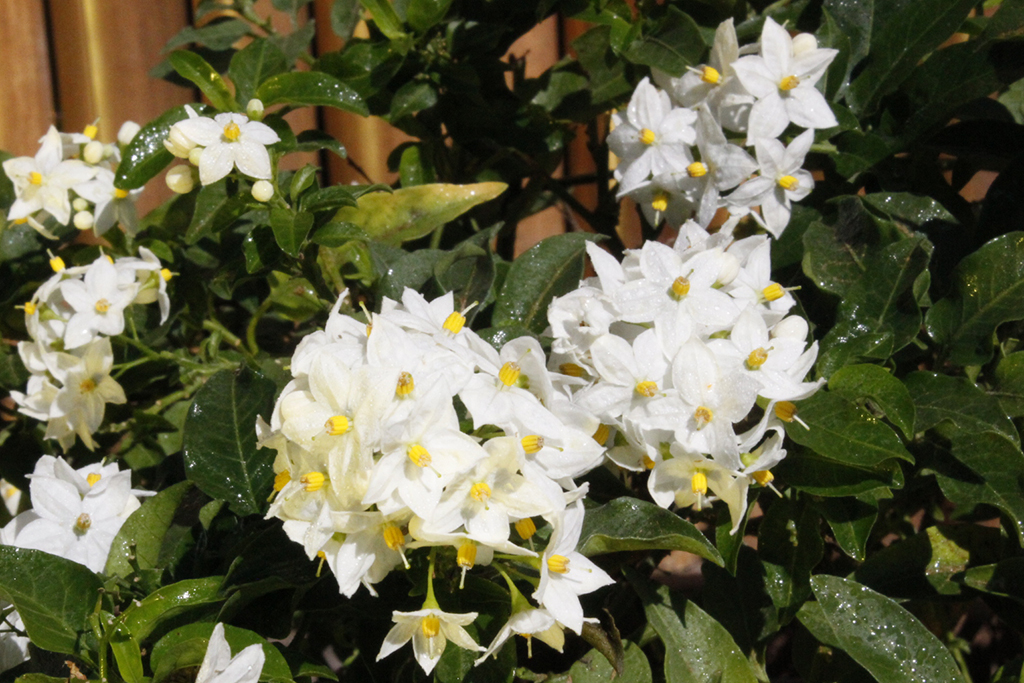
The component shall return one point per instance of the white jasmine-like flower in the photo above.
(113, 205)
(229, 141)
(430, 630)
(686, 478)
(98, 301)
(528, 623)
(13, 647)
(783, 83)
(87, 387)
(782, 180)
(220, 667)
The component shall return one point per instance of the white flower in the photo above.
(98, 301)
(783, 83)
(87, 387)
(430, 630)
(113, 205)
(229, 141)
(528, 623)
(686, 478)
(13, 648)
(220, 667)
(782, 180)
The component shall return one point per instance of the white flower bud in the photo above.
(180, 179)
(728, 269)
(804, 42)
(254, 109)
(83, 220)
(178, 144)
(262, 190)
(193, 156)
(93, 152)
(793, 327)
(109, 150)
(128, 131)
(79, 204)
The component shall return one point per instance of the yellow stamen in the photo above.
(756, 358)
(785, 411)
(602, 433)
(660, 201)
(773, 291)
(120, 194)
(648, 463)
(454, 322)
(20, 221)
(696, 170)
(763, 477)
(109, 259)
(90, 131)
(102, 306)
(35, 177)
(30, 308)
(282, 479)
(232, 132)
(509, 373)
(393, 536)
(466, 556)
(558, 564)
(313, 481)
(788, 83)
(166, 274)
(788, 182)
(57, 264)
(699, 483)
(93, 478)
(703, 416)
(87, 385)
(532, 443)
(83, 523)
(430, 626)
(480, 492)
(405, 385)
(647, 136)
(680, 287)
(709, 74)
(526, 528)
(646, 388)
(337, 425)
(419, 455)
(323, 556)
(571, 369)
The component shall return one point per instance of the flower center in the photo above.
(430, 626)
(788, 83)
(756, 358)
(454, 322)
(602, 433)
(282, 479)
(480, 492)
(166, 274)
(647, 136)
(680, 287)
(785, 411)
(83, 523)
(419, 455)
(90, 131)
(709, 74)
(87, 385)
(35, 177)
(93, 478)
(337, 425)
(393, 536)
(120, 194)
(788, 182)
(57, 264)
(526, 528)
(466, 556)
(509, 373)
(763, 477)
(660, 201)
(773, 291)
(558, 564)
(232, 132)
(30, 308)
(313, 481)
(703, 416)
(102, 306)
(648, 463)
(570, 369)
(699, 483)
(533, 443)
(646, 388)
(696, 170)
(405, 385)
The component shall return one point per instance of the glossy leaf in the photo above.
(196, 69)
(412, 270)
(915, 210)
(881, 636)
(1009, 384)
(290, 229)
(412, 212)
(328, 199)
(216, 209)
(1005, 578)
(632, 524)
(128, 655)
(411, 98)
(860, 382)
(672, 44)
(956, 407)
(252, 65)
(310, 89)
(741, 603)
(988, 290)
(385, 18)
(594, 667)
(54, 596)
(143, 617)
(789, 547)
(220, 451)
(336, 233)
(145, 155)
(805, 470)
(550, 268)
(186, 646)
(424, 14)
(143, 533)
(852, 519)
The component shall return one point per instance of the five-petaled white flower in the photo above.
(782, 180)
(229, 141)
(430, 630)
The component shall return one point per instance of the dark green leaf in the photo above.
(294, 44)
(789, 545)
(145, 155)
(881, 636)
(741, 602)
(632, 524)
(415, 168)
(128, 656)
(290, 229)
(337, 233)
(260, 249)
(345, 16)
(728, 543)
(412, 270)
(13, 373)
(301, 181)
(674, 44)
(328, 199)
(196, 69)
(220, 451)
(185, 647)
(253, 64)
(552, 267)
(1009, 384)
(216, 35)
(367, 67)
(915, 210)
(143, 617)
(608, 81)
(385, 18)
(143, 533)
(411, 98)
(423, 14)
(594, 667)
(499, 336)
(988, 291)
(216, 209)
(956, 406)
(805, 470)
(315, 140)
(310, 89)
(852, 520)
(1005, 578)
(54, 596)
(860, 382)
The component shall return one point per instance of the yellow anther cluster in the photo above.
(430, 626)
(660, 201)
(83, 522)
(393, 536)
(30, 308)
(602, 433)
(509, 373)
(532, 443)
(90, 131)
(466, 556)
(57, 264)
(405, 385)
(526, 528)
(697, 170)
(680, 287)
(93, 478)
(699, 483)
(232, 132)
(337, 425)
(788, 83)
(120, 194)
(35, 177)
(648, 463)
(646, 388)
(647, 136)
(87, 385)
(570, 369)
(703, 416)
(281, 479)
(785, 411)
(558, 564)
(418, 454)
(773, 291)
(763, 477)
(709, 74)
(313, 481)
(454, 322)
(788, 182)
(757, 358)
(166, 274)
(102, 306)
(480, 492)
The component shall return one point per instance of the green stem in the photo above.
(431, 601)
(217, 326)
(146, 351)
(250, 332)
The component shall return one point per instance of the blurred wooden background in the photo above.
(71, 62)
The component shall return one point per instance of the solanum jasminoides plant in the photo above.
(282, 429)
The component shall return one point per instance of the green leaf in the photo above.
(902, 32)
(594, 667)
(412, 270)
(13, 373)
(411, 98)
(220, 451)
(550, 268)
(988, 290)
(145, 155)
(839, 430)
(143, 533)
(54, 596)
(1009, 389)
(881, 636)
(310, 89)
(128, 656)
(851, 520)
(385, 18)
(1005, 578)
(415, 167)
(345, 15)
(860, 382)
(301, 181)
(290, 229)
(674, 44)
(697, 648)
(499, 336)
(915, 210)
(260, 249)
(367, 67)
(143, 617)
(336, 234)
(741, 602)
(328, 199)
(807, 471)
(216, 35)
(422, 15)
(956, 406)
(412, 212)
(789, 545)
(186, 646)
(253, 64)
(216, 209)
(196, 69)
(631, 524)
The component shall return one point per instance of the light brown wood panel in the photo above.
(26, 92)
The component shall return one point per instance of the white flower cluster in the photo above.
(71, 178)
(675, 157)
(70, 319)
(672, 348)
(219, 145)
(372, 462)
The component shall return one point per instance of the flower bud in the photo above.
(254, 110)
(79, 204)
(93, 152)
(793, 327)
(193, 156)
(179, 144)
(804, 42)
(83, 220)
(728, 269)
(262, 190)
(128, 131)
(180, 179)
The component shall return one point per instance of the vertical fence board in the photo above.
(26, 92)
